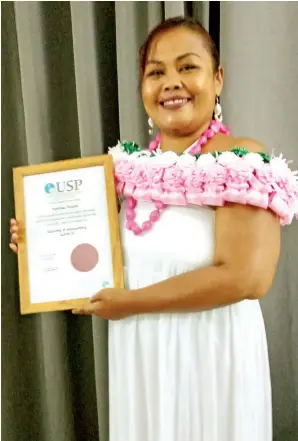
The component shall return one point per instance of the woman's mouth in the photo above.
(175, 103)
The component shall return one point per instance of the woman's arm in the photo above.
(246, 255)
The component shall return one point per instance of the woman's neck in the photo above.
(179, 144)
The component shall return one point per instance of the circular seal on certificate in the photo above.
(84, 257)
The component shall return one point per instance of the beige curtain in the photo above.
(259, 51)
(70, 89)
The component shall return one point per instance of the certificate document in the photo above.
(69, 229)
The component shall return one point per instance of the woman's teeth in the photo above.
(175, 103)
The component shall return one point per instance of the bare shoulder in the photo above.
(249, 144)
(224, 143)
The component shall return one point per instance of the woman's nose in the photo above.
(172, 86)
(172, 82)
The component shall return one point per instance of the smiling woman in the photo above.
(181, 79)
(200, 229)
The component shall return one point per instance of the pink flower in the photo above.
(173, 186)
(237, 182)
(286, 184)
(287, 190)
(239, 175)
(266, 175)
(173, 179)
(127, 172)
(194, 178)
(153, 174)
(123, 170)
(148, 182)
(137, 175)
(214, 186)
(216, 176)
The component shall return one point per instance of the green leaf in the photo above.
(265, 156)
(240, 151)
(130, 147)
(216, 154)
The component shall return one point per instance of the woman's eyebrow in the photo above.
(180, 57)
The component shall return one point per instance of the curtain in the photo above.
(259, 51)
(70, 89)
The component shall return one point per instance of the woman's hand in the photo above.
(109, 304)
(14, 229)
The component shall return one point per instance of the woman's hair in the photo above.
(174, 23)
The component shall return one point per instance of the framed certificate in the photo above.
(69, 238)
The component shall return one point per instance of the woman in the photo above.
(201, 241)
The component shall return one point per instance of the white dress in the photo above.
(185, 376)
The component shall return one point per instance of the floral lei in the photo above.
(207, 179)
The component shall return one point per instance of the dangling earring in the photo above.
(217, 110)
(151, 125)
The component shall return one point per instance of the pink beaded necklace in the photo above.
(214, 128)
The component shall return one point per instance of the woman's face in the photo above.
(179, 85)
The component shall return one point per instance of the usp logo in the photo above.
(63, 186)
(48, 188)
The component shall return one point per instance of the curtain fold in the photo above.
(70, 89)
(88, 81)
(259, 53)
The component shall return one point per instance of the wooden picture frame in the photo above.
(38, 224)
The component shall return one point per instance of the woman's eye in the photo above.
(155, 73)
(188, 67)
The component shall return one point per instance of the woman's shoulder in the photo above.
(225, 143)
(249, 144)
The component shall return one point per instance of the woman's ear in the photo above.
(219, 80)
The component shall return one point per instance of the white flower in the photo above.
(117, 152)
(142, 156)
(279, 165)
(227, 158)
(206, 159)
(167, 158)
(133, 156)
(254, 160)
(186, 159)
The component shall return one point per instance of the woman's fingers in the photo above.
(14, 238)
(14, 229)
(13, 247)
(89, 309)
